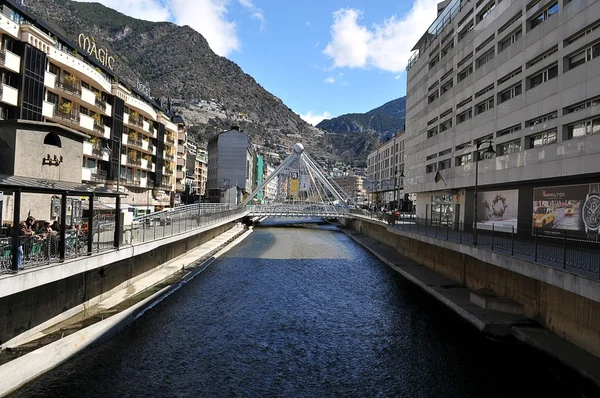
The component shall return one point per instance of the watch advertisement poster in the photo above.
(570, 208)
(498, 209)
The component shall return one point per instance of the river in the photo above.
(304, 312)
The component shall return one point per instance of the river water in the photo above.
(304, 312)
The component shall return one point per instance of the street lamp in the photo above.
(397, 188)
(489, 149)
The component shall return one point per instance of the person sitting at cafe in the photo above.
(55, 226)
(26, 227)
(47, 230)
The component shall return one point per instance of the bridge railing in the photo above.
(290, 209)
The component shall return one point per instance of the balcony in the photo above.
(141, 105)
(148, 165)
(134, 141)
(170, 140)
(72, 117)
(134, 162)
(136, 182)
(10, 61)
(9, 95)
(169, 156)
(168, 171)
(76, 63)
(68, 87)
(99, 176)
(8, 26)
(94, 151)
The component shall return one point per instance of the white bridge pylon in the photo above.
(302, 191)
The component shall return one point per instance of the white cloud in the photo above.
(208, 17)
(330, 80)
(254, 11)
(149, 10)
(315, 119)
(386, 46)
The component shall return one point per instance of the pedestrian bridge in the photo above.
(298, 210)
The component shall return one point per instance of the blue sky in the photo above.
(323, 58)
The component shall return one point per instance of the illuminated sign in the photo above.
(143, 88)
(88, 44)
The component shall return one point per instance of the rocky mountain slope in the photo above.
(176, 62)
(358, 133)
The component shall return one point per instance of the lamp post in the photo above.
(490, 149)
(397, 188)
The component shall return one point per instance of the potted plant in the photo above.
(132, 135)
(148, 157)
(134, 115)
(132, 155)
(94, 141)
(65, 107)
(97, 119)
(71, 79)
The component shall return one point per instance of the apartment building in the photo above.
(51, 80)
(201, 173)
(512, 89)
(231, 165)
(352, 185)
(385, 171)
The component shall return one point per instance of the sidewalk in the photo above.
(457, 297)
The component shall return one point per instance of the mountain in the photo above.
(176, 63)
(386, 119)
(357, 134)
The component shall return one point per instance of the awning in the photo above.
(11, 183)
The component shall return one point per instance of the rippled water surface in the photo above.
(304, 312)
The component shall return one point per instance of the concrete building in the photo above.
(201, 173)
(130, 140)
(385, 167)
(521, 78)
(353, 187)
(230, 164)
(271, 188)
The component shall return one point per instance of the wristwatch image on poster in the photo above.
(591, 209)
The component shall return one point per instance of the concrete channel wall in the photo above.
(32, 298)
(563, 302)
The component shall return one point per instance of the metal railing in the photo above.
(68, 86)
(43, 249)
(564, 249)
(297, 210)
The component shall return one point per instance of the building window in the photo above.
(585, 31)
(434, 61)
(541, 119)
(464, 159)
(445, 152)
(510, 22)
(464, 102)
(445, 164)
(52, 139)
(433, 96)
(584, 128)
(509, 147)
(509, 130)
(432, 132)
(446, 86)
(446, 113)
(510, 39)
(485, 11)
(582, 105)
(433, 156)
(466, 115)
(584, 55)
(510, 93)
(445, 125)
(485, 58)
(485, 43)
(463, 146)
(509, 76)
(464, 60)
(484, 91)
(484, 106)
(542, 57)
(465, 31)
(543, 76)
(435, 119)
(543, 15)
(447, 49)
(55, 70)
(434, 85)
(541, 139)
(431, 168)
(462, 75)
